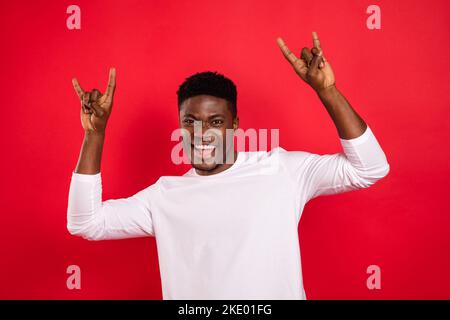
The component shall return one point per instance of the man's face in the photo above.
(211, 117)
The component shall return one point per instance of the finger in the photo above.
(77, 88)
(301, 68)
(111, 83)
(95, 95)
(316, 51)
(307, 56)
(323, 62)
(85, 102)
(286, 52)
(316, 41)
(96, 109)
(315, 63)
(94, 102)
(86, 98)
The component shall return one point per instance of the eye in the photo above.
(217, 122)
(188, 121)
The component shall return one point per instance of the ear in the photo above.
(235, 123)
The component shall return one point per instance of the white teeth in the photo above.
(204, 147)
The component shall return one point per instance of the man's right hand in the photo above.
(95, 106)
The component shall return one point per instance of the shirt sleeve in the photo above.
(361, 163)
(93, 219)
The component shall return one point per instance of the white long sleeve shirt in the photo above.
(231, 235)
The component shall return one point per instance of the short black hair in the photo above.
(211, 83)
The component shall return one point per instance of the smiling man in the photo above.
(207, 106)
(225, 229)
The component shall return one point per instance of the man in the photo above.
(225, 229)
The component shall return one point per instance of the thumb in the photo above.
(98, 111)
(316, 60)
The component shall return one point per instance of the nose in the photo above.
(207, 138)
(202, 136)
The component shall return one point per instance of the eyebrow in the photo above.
(215, 115)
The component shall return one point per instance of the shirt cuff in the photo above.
(85, 177)
(358, 140)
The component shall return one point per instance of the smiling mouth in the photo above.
(203, 150)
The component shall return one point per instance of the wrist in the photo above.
(330, 90)
(92, 133)
(94, 136)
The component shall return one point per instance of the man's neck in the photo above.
(219, 168)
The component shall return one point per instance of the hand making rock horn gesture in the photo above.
(312, 66)
(95, 106)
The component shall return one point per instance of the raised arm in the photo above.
(95, 111)
(362, 161)
(315, 70)
(88, 215)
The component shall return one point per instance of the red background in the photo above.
(396, 78)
